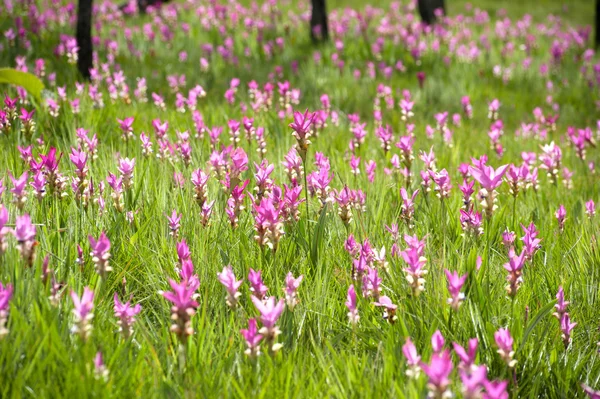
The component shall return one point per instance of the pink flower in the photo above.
(495, 390)
(389, 309)
(515, 272)
(455, 284)
(302, 130)
(467, 357)
(126, 315)
(6, 292)
(83, 312)
(126, 166)
(415, 271)
(100, 254)
(413, 360)
(531, 243)
(268, 224)
(270, 311)
(565, 328)
(351, 304)
(504, 342)
(291, 289)
(407, 208)
(437, 341)
(126, 126)
(590, 208)
(438, 370)
(174, 224)
(488, 177)
(442, 181)
(227, 278)
(257, 288)
(184, 307)
(252, 338)
(18, 190)
(561, 215)
(25, 233)
(100, 370)
(4, 231)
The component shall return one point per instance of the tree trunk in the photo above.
(427, 10)
(597, 23)
(318, 21)
(84, 38)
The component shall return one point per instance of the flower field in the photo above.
(227, 208)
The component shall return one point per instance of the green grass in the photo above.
(322, 355)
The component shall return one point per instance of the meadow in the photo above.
(229, 210)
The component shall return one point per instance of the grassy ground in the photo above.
(323, 355)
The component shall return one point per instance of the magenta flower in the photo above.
(126, 315)
(174, 224)
(389, 309)
(257, 288)
(471, 222)
(82, 312)
(302, 131)
(515, 272)
(291, 290)
(25, 233)
(126, 126)
(200, 181)
(561, 215)
(472, 381)
(590, 392)
(438, 371)
(352, 306)
(100, 370)
(455, 284)
(6, 292)
(270, 311)
(489, 179)
(495, 389)
(590, 209)
(561, 304)
(466, 188)
(291, 203)
(442, 181)
(504, 342)
(183, 307)
(565, 328)
(371, 284)
(206, 212)
(252, 338)
(3, 229)
(227, 278)
(531, 243)
(18, 191)
(268, 224)
(116, 184)
(407, 208)
(437, 341)
(126, 166)
(413, 360)
(466, 357)
(415, 271)
(100, 254)
(238, 164)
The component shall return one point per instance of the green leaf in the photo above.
(317, 238)
(28, 81)
(543, 312)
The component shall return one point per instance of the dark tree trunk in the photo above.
(427, 10)
(319, 29)
(597, 23)
(84, 38)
